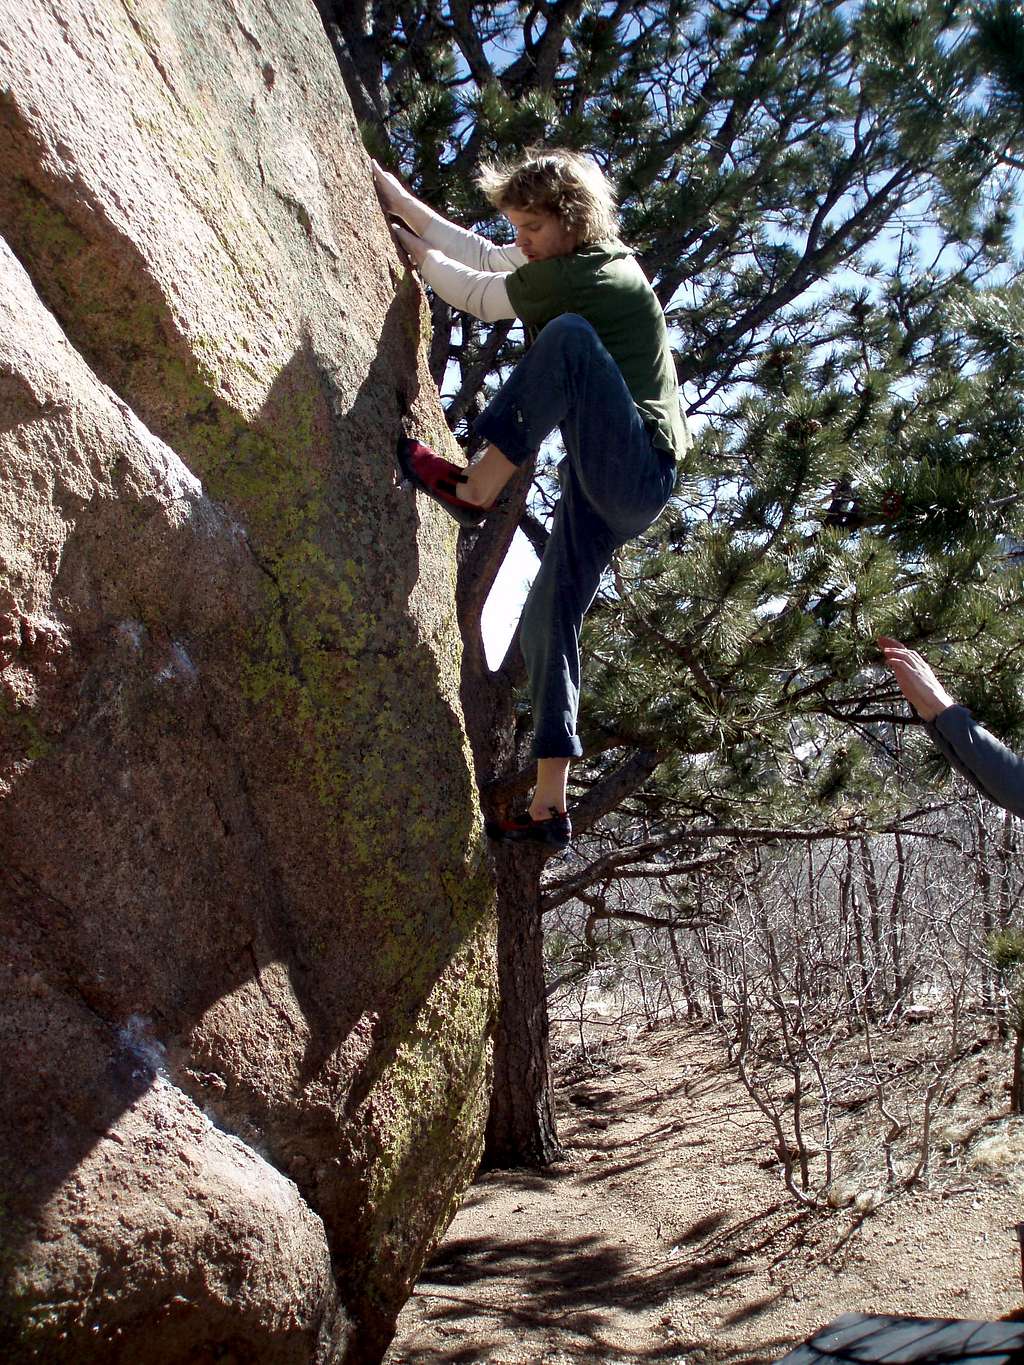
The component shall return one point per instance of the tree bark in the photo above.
(874, 900)
(521, 1127)
(897, 930)
(988, 981)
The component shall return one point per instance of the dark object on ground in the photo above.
(849, 511)
(885, 1340)
(592, 1099)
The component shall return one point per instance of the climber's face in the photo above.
(541, 235)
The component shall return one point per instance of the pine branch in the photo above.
(534, 533)
(687, 920)
(467, 35)
(609, 792)
(617, 867)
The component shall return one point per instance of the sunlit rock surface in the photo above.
(247, 939)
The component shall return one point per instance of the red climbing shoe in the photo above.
(555, 831)
(439, 479)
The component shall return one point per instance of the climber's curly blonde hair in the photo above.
(558, 181)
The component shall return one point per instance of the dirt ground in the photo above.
(666, 1233)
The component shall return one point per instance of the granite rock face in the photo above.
(247, 963)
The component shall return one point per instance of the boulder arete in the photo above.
(248, 939)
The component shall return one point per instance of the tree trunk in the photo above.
(988, 980)
(1002, 919)
(897, 930)
(712, 980)
(521, 1128)
(846, 957)
(521, 1125)
(694, 1009)
(874, 918)
(1017, 1082)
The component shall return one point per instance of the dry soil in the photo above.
(666, 1233)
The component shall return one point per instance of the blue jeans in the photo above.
(614, 484)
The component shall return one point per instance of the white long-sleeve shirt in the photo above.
(464, 268)
(474, 291)
(600, 281)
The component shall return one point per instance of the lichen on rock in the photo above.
(236, 800)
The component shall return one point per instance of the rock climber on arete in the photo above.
(600, 368)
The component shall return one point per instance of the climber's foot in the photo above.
(439, 479)
(555, 830)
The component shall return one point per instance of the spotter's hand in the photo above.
(916, 679)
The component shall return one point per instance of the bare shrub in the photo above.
(850, 976)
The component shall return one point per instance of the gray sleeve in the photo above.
(971, 750)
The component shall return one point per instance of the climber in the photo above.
(990, 766)
(600, 368)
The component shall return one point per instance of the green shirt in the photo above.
(603, 283)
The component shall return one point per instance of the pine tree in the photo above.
(822, 195)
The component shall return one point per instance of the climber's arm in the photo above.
(473, 291)
(466, 248)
